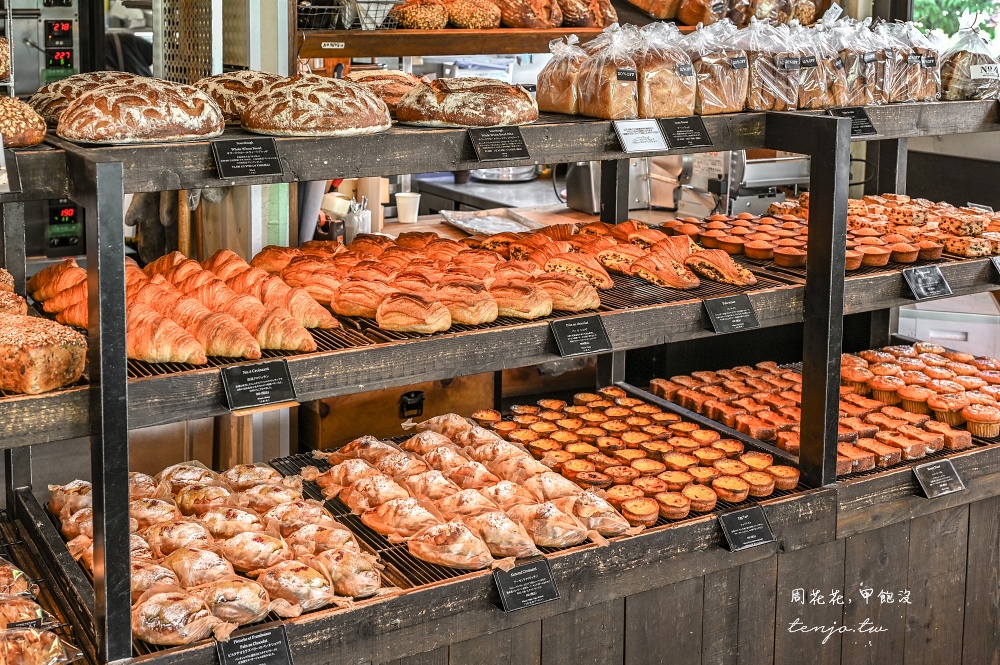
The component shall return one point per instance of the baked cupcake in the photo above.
(982, 420)
(911, 364)
(962, 368)
(932, 359)
(885, 369)
(990, 376)
(914, 378)
(948, 408)
(970, 382)
(885, 388)
(914, 398)
(789, 257)
(874, 256)
(901, 350)
(945, 387)
(877, 356)
(852, 259)
(731, 244)
(856, 378)
(959, 356)
(849, 360)
(939, 373)
(903, 252)
(986, 363)
(992, 391)
(976, 397)
(928, 250)
(758, 249)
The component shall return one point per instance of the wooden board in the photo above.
(757, 613)
(721, 618)
(667, 615)
(814, 569)
(438, 656)
(521, 645)
(982, 605)
(589, 636)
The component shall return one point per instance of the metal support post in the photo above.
(614, 191)
(886, 167)
(827, 141)
(12, 242)
(610, 368)
(99, 187)
(881, 328)
(17, 475)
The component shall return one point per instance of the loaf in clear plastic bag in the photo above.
(607, 83)
(31, 646)
(721, 69)
(859, 60)
(968, 69)
(244, 476)
(548, 526)
(667, 85)
(194, 567)
(299, 584)
(147, 574)
(255, 551)
(167, 537)
(774, 67)
(594, 513)
(929, 83)
(226, 522)
(14, 581)
(22, 609)
(557, 82)
(503, 536)
(353, 574)
(401, 518)
(242, 601)
(171, 616)
(196, 498)
(71, 497)
(292, 516)
(451, 544)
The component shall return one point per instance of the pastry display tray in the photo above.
(490, 222)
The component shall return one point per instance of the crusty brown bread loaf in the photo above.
(420, 14)
(607, 87)
(466, 102)
(587, 13)
(52, 99)
(693, 12)
(540, 14)
(473, 14)
(309, 105)
(11, 303)
(723, 78)
(143, 111)
(4, 59)
(772, 86)
(233, 91)
(658, 8)
(19, 124)
(38, 355)
(558, 80)
(957, 82)
(388, 84)
(6, 281)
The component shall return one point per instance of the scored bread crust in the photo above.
(142, 111)
(307, 105)
(52, 99)
(390, 85)
(233, 91)
(466, 102)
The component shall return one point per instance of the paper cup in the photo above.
(407, 207)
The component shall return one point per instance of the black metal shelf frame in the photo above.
(97, 178)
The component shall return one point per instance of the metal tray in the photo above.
(489, 222)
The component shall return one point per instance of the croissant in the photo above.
(274, 259)
(597, 229)
(481, 258)
(717, 266)
(398, 257)
(523, 248)
(658, 268)
(415, 239)
(521, 299)
(321, 284)
(226, 264)
(134, 276)
(322, 247)
(156, 339)
(468, 302)
(560, 231)
(370, 244)
(57, 282)
(568, 293)
(409, 312)
(41, 280)
(415, 281)
(443, 249)
(549, 250)
(357, 298)
(76, 315)
(273, 292)
(620, 231)
(66, 298)
(646, 238)
(164, 263)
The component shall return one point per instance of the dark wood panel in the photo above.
(933, 119)
(982, 585)
(515, 646)
(867, 293)
(876, 560)
(721, 618)
(935, 617)
(436, 657)
(589, 636)
(670, 615)
(799, 637)
(757, 611)
(42, 172)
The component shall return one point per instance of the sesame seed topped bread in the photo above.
(308, 105)
(38, 355)
(233, 91)
(52, 99)
(19, 124)
(142, 111)
(466, 102)
(6, 281)
(11, 303)
(388, 84)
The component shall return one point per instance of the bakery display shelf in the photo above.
(41, 174)
(771, 267)
(898, 121)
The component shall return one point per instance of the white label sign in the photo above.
(333, 46)
(988, 72)
(640, 135)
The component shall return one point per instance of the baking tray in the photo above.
(490, 222)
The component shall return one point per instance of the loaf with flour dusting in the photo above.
(467, 102)
(233, 91)
(38, 355)
(388, 84)
(20, 126)
(52, 99)
(308, 105)
(143, 111)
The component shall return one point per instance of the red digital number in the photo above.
(65, 27)
(68, 212)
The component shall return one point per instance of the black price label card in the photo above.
(938, 478)
(526, 585)
(746, 528)
(580, 336)
(498, 143)
(926, 282)
(686, 132)
(30, 623)
(260, 384)
(627, 75)
(861, 124)
(739, 62)
(731, 313)
(242, 158)
(259, 647)
(639, 135)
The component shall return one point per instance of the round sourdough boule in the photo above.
(473, 14)
(19, 124)
(466, 102)
(308, 105)
(641, 511)
(390, 85)
(141, 111)
(233, 91)
(52, 99)
(673, 505)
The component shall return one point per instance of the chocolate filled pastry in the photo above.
(569, 293)
(676, 247)
(171, 616)
(409, 312)
(370, 243)
(298, 584)
(360, 298)
(580, 265)
(658, 268)
(520, 299)
(468, 302)
(717, 266)
(619, 258)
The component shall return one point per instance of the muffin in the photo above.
(911, 364)
(856, 378)
(874, 256)
(939, 373)
(984, 363)
(928, 347)
(651, 485)
(928, 250)
(942, 387)
(731, 244)
(970, 382)
(914, 378)
(877, 356)
(958, 356)
(789, 257)
(884, 388)
(849, 360)
(982, 420)
(948, 408)
(932, 359)
(914, 398)
(903, 253)
(901, 350)
(976, 397)
(990, 376)
(640, 511)
(962, 368)
(852, 259)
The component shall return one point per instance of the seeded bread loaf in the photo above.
(466, 102)
(6, 281)
(38, 355)
(11, 303)
(420, 14)
(19, 124)
(52, 99)
(473, 14)
(4, 59)
(233, 91)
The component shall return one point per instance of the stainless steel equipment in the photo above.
(506, 174)
(583, 186)
(45, 42)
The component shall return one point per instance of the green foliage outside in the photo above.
(943, 15)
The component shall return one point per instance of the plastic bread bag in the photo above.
(886, 53)
(170, 616)
(503, 536)
(832, 68)
(140, 485)
(929, 81)
(254, 551)
(451, 544)
(517, 469)
(149, 511)
(31, 646)
(425, 441)
(196, 498)
(314, 538)
(557, 82)
(903, 65)
(242, 477)
(607, 83)
(449, 425)
(720, 68)
(242, 601)
(666, 80)
(166, 537)
(774, 67)
(71, 497)
(461, 470)
(292, 516)
(333, 481)
(466, 502)
(371, 492)
(262, 498)
(600, 42)
(367, 448)
(300, 584)
(226, 522)
(400, 464)
(496, 451)
(859, 58)
(548, 526)
(430, 486)
(186, 473)
(596, 514)
(22, 609)
(506, 494)
(968, 69)
(194, 567)
(813, 92)
(475, 437)
(352, 573)
(147, 574)
(399, 519)
(550, 485)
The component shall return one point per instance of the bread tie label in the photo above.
(685, 69)
(792, 63)
(838, 63)
(627, 75)
(809, 61)
(739, 62)
(869, 57)
(914, 59)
